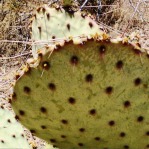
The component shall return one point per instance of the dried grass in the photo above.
(118, 17)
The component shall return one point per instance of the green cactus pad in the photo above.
(55, 25)
(11, 131)
(49, 146)
(93, 95)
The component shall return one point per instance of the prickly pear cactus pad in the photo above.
(11, 132)
(55, 25)
(93, 95)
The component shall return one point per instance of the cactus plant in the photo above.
(89, 95)
(11, 131)
(55, 25)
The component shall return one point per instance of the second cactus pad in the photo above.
(55, 25)
(91, 96)
(11, 132)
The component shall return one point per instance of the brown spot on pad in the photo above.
(43, 109)
(52, 86)
(68, 27)
(43, 127)
(82, 129)
(64, 121)
(86, 99)
(90, 24)
(63, 136)
(89, 78)
(127, 104)
(22, 113)
(48, 16)
(122, 134)
(72, 100)
(119, 64)
(27, 90)
(74, 60)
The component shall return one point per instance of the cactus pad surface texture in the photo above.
(93, 95)
(11, 131)
(55, 25)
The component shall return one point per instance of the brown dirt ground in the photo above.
(119, 18)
